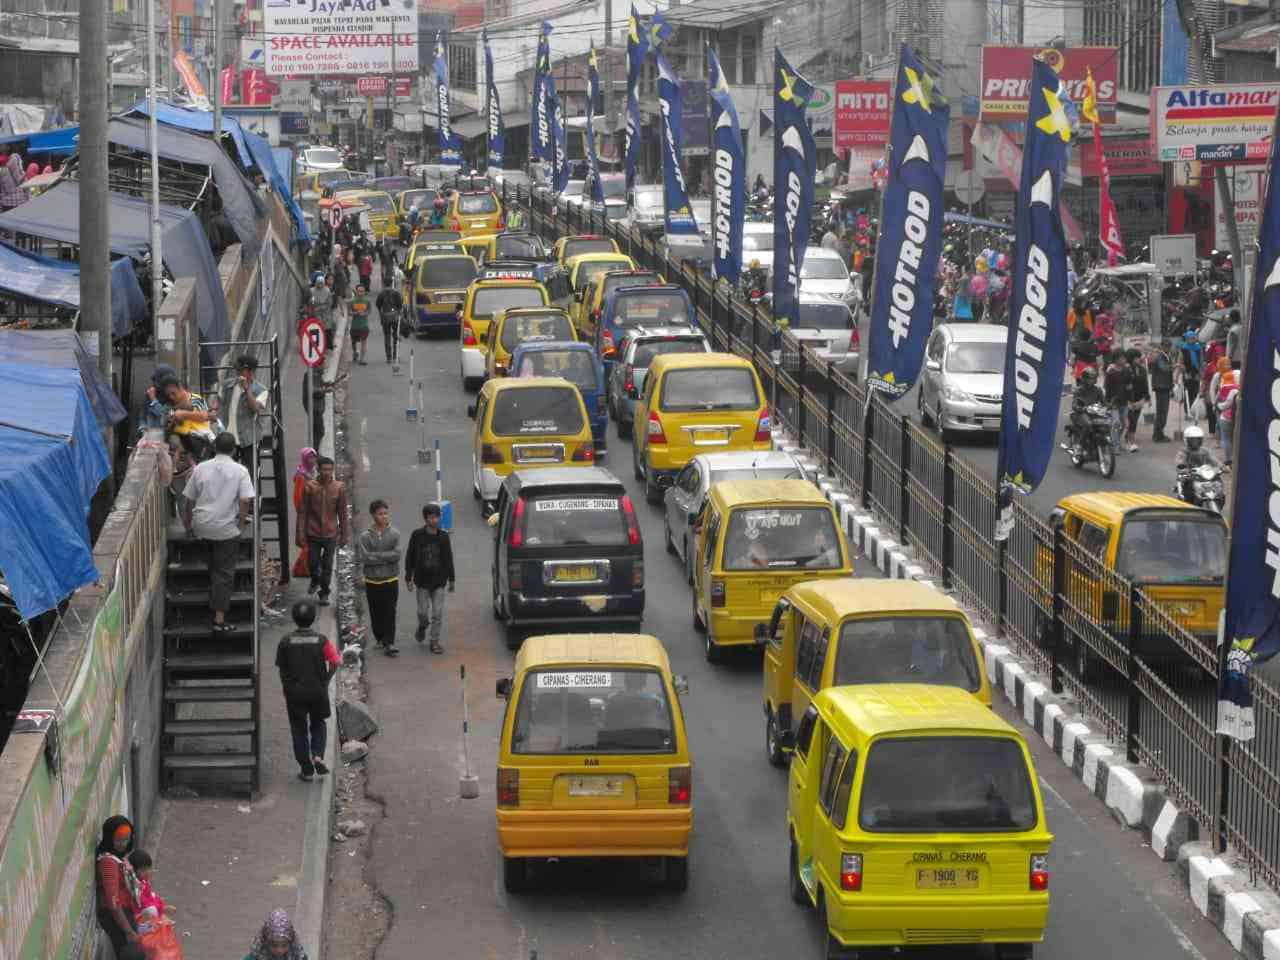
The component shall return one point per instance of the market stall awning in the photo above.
(64, 350)
(63, 140)
(58, 282)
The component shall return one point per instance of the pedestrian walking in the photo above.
(307, 661)
(322, 301)
(217, 501)
(250, 421)
(428, 569)
(390, 303)
(322, 526)
(1210, 366)
(307, 470)
(1115, 386)
(118, 888)
(379, 553)
(1139, 394)
(1160, 367)
(1227, 402)
(360, 310)
(277, 940)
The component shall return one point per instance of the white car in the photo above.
(572, 194)
(962, 388)
(757, 244)
(315, 159)
(827, 327)
(614, 187)
(646, 208)
(824, 271)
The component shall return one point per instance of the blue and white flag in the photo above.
(637, 49)
(795, 162)
(542, 142)
(593, 162)
(497, 130)
(729, 174)
(678, 212)
(1253, 585)
(450, 142)
(910, 231)
(560, 166)
(1036, 355)
(659, 30)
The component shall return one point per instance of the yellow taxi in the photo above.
(417, 197)
(567, 247)
(915, 818)
(692, 404)
(752, 540)
(485, 300)
(593, 759)
(598, 290)
(523, 423)
(832, 633)
(440, 282)
(432, 241)
(584, 268)
(475, 212)
(382, 210)
(520, 325)
(482, 246)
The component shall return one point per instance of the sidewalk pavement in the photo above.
(226, 862)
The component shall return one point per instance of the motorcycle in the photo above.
(1094, 446)
(755, 284)
(1205, 484)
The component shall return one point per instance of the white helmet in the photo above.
(1193, 437)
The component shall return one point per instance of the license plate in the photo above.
(707, 437)
(574, 574)
(534, 452)
(595, 786)
(479, 223)
(947, 878)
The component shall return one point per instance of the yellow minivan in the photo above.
(695, 403)
(584, 268)
(475, 212)
(566, 247)
(439, 287)
(524, 423)
(915, 818)
(834, 633)
(521, 325)
(752, 540)
(485, 300)
(382, 211)
(482, 246)
(593, 759)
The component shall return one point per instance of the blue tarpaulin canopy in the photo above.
(63, 140)
(64, 349)
(58, 282)
(51, 462)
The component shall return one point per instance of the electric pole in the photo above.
(95, 233)
(217, 71)
(609, 118)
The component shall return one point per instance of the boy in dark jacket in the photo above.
(428, 565)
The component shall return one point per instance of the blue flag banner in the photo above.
(795, 161)
(559, 153)
(659, 30)
(1253, 585)
(729, 174)
(1036, 355)
(910, 231)
(637, 49)
(497, 131)
(450, 142)
(679, 215)
(542, 141)
(593, 162)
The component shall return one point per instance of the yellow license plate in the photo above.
(705, 437)
(947, 878)
(595, 786)
(586, 571)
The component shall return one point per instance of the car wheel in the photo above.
(677, 869)
(472, 384)
(799, 895)
(652, 492)
(515, 874)
(666, 536)
(635, 464)
(937, 422)
(497, 601)
(771, 745)
(710, 649)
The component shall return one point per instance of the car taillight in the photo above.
(629, 514)
(679, 785)
(764, 428)
(717, 592)
(508, 787)
(516, 537)
(584, 453)
(1039, 879)
(629, 380)
(637, 575)
(490, 453)
(602, 404)
(502, 224)
(654, 428)
(457, 224)
(500, 369)
(515, 576)
(850, 871)
(469, 335)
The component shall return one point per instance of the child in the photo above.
(150, 905)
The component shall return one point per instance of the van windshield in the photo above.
(590, 519)
(975, 357)
(576, 366)
(446, 273)
(541, 326)
(657, 309)
(645, 352)
(1172, 549)
(946, 785)
(486, 303)
(769, 537)
(709, 388)
(604, 710)
(556, 411)
(907, 650)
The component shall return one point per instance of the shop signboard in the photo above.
(377, 86)
(1006, 75)
(1224, 122)
(1126, 157)
(862, 113)
(292, 96)
(1248, 187)
(694, 130)
(1174, 254)
(325, 38)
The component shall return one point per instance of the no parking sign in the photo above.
(311, 342)
(335, 216)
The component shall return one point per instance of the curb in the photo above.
(1247, 914)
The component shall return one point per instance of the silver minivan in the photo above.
(963, 384)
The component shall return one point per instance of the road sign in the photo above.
(1174, 254)
(335, 216)
(311, 342)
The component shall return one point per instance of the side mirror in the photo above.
(471, 411)
(504, 688)
(934, 365)
(760, 634)
(681, 683)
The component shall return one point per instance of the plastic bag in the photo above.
(1197, 409)
(302, 566)
(161, 942)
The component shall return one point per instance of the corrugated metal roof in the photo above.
(719, 14)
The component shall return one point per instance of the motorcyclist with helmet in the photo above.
(1192, 456)
(437, 213)
(1086, 394)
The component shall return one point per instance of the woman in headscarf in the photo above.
(277, 940)
(11, 192)
(118, 888)
(307, 470)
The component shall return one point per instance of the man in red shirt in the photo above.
(307, 661)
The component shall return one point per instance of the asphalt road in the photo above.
(435, 856)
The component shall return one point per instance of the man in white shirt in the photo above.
(216, 504)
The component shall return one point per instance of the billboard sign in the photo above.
(292, 96)
(377, 86)
(1006, 73)
(329, 37)
(862, 113)
(1248, 192)
(1174, 254)
(1228, 122)
(694, 130)
(295, 124)
(1126, 157)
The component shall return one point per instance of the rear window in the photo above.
(537, 410)
(472, 203)
(576, 366)
(518, 247)
(645, 352)
(486, 303)
(417, 198)
(598, 245)
(613, 283)
(606, 710)
(543, 326)
(330, 177)
(1172, 549)
(662, 309)
(760, 473)
(946, 785)
(907, 650)
(587, 519)
(448, 273)
(378, 202)
(709, 388)
(589, 271)
(824, 316)
(781, 537)
(823, 268)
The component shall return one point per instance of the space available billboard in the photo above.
(307, 38)
(1006, 72)
(1225, 121)
(862, 113)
